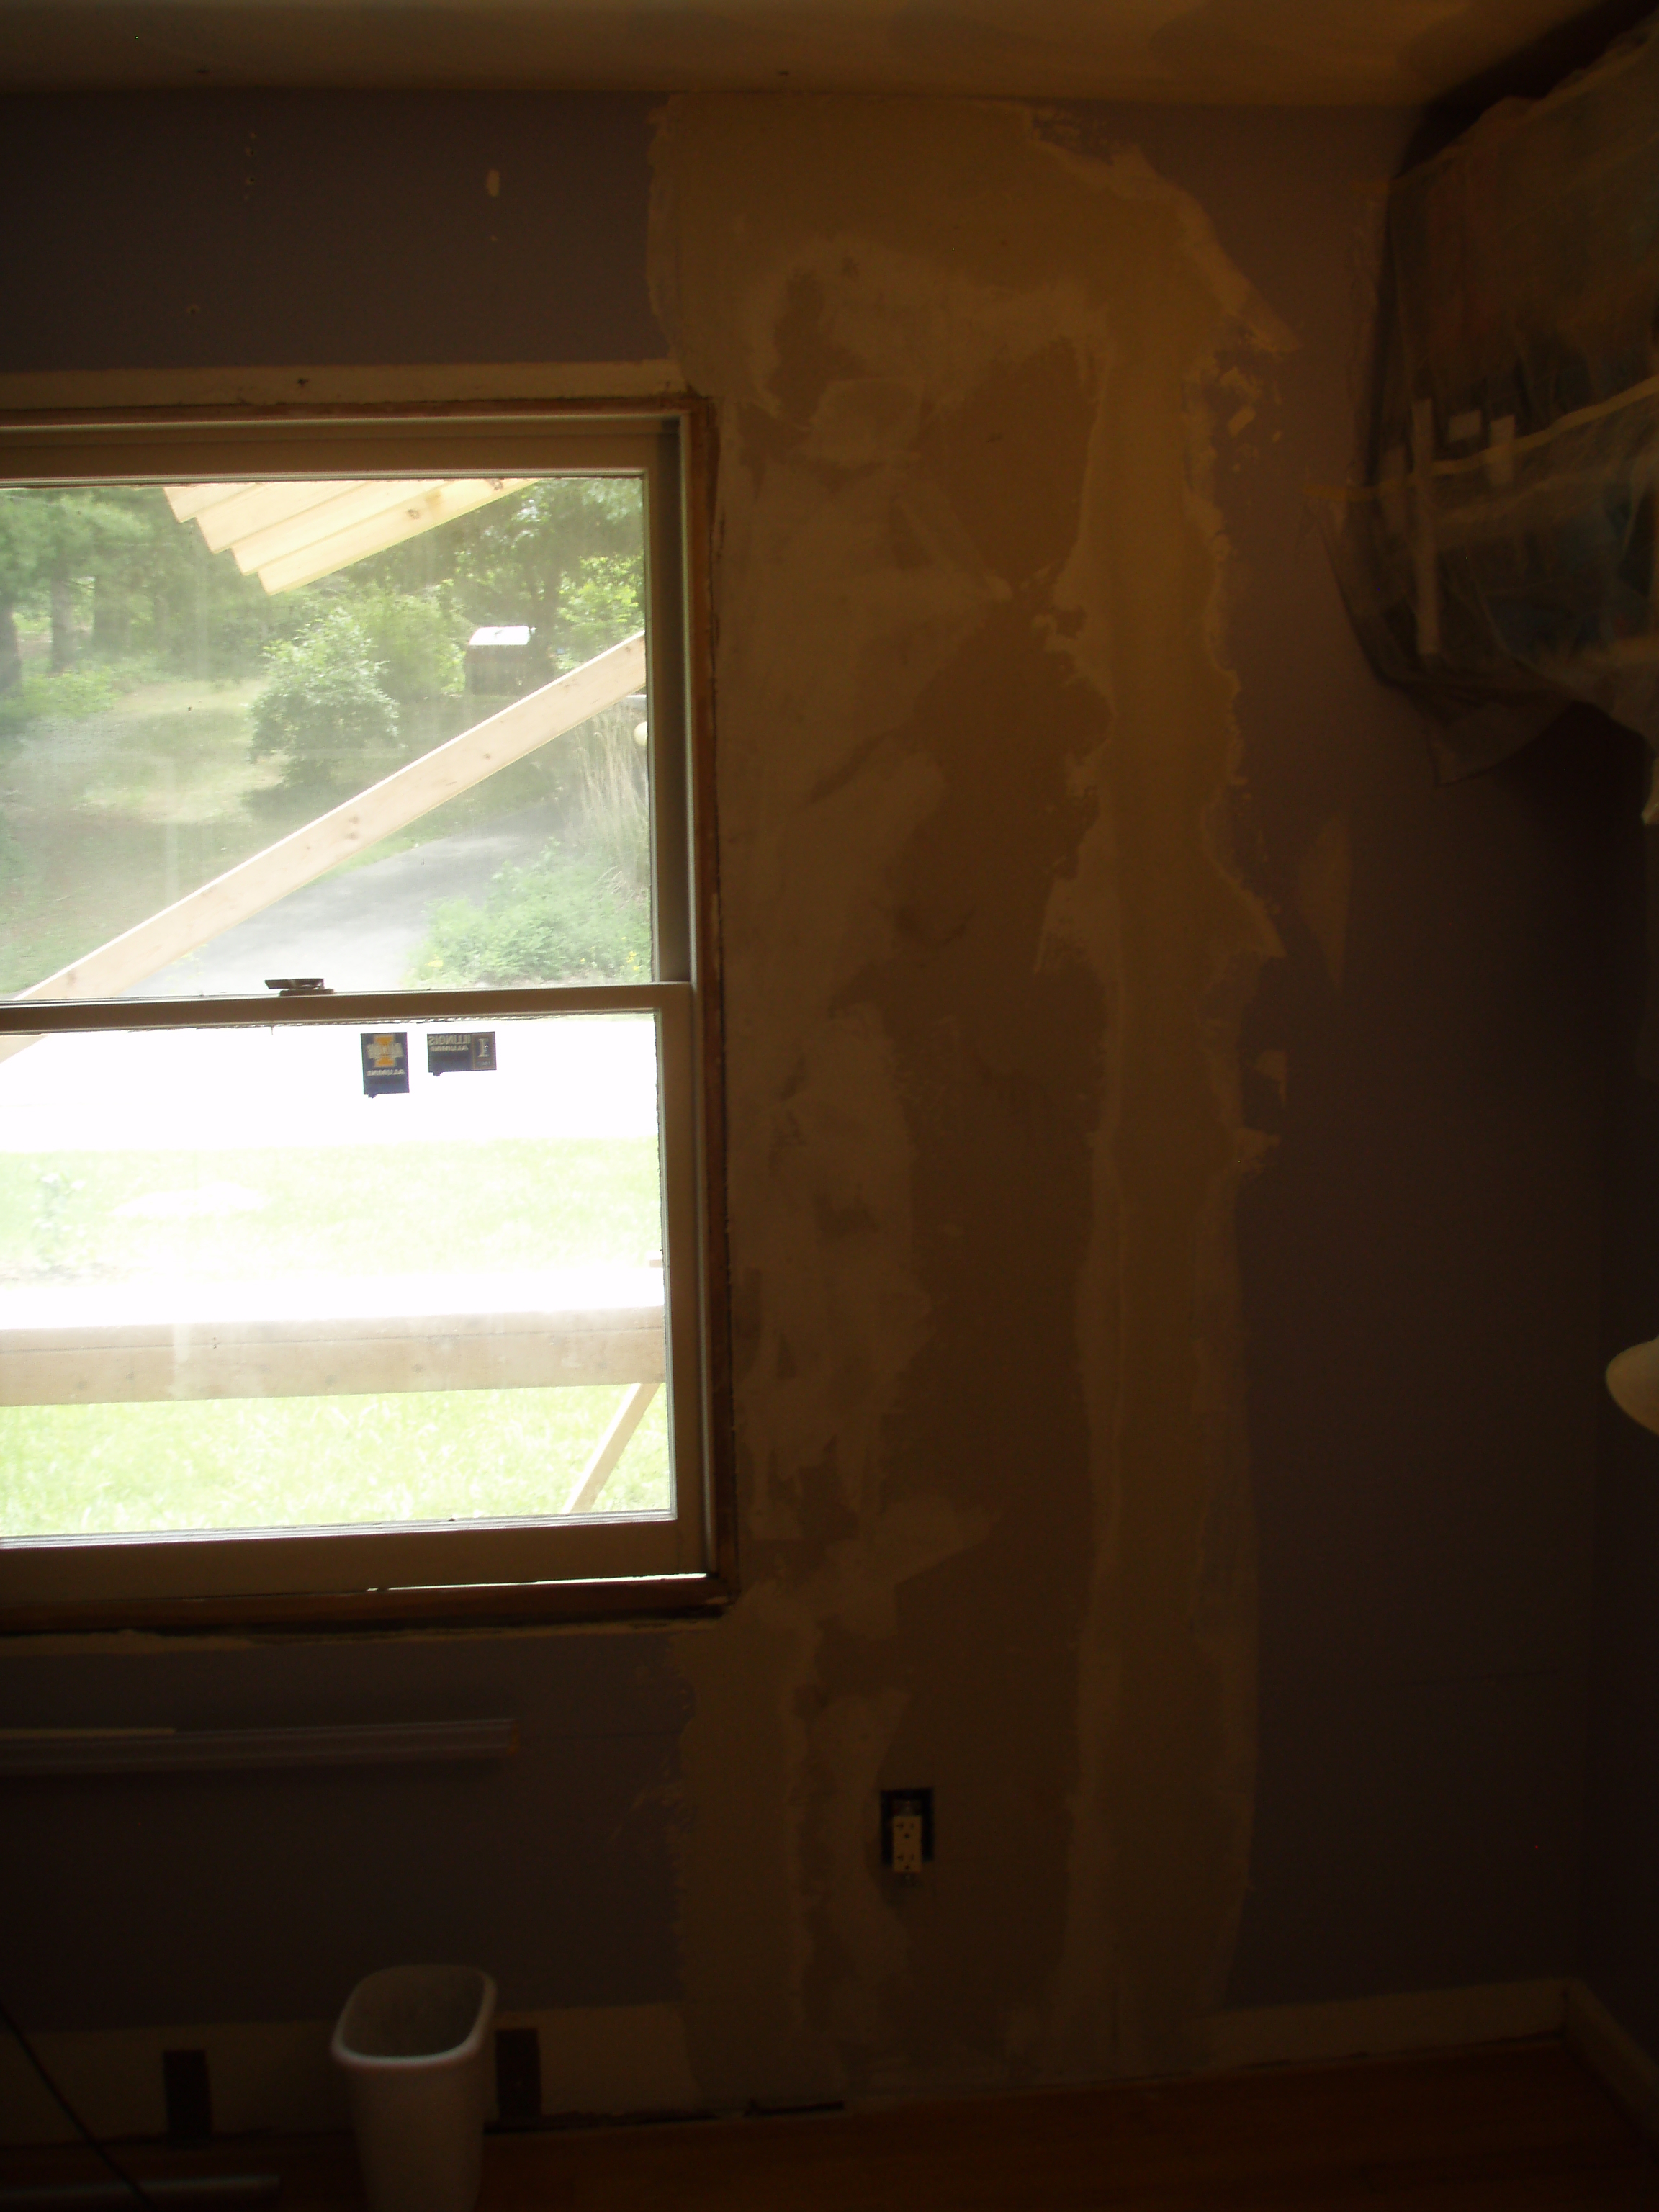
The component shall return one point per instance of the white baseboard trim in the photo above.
(277, 2077)
(1386, 2026)
(1623, 2068)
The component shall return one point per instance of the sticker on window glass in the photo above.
(386, 1061)
(459, 1052)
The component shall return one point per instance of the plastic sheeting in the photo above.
(1500, 557)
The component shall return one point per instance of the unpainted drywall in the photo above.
(985, 954)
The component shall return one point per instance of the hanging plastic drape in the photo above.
(1500, 556)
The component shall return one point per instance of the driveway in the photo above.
(359, 931)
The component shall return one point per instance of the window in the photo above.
(357, 1096)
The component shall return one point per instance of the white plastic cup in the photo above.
(413, 2044)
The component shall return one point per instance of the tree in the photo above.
(22, 541)
(56, 543)
(565, 558)
(602, 603)
(82, 533)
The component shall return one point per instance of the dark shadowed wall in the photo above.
(1621, 1909)
(182, 231)
(1166, 1131)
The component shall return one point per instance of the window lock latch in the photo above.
(299, 987)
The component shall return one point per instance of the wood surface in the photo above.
(1520, 2127)
(719, 1419)
(585, 1495)
(249, 1358)
(435, 503)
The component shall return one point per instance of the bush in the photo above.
(69, 697)
(324, 706)
(411, 639)
(559, 921)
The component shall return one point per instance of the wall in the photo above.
(1164, 1129)
(1621, 1918)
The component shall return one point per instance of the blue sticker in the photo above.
(386, 1062)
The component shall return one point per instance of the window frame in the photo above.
(502, 1572)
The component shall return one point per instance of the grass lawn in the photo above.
(348, 1210)
(298, 1462)
(341, 1210)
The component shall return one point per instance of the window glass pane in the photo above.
(239, 1291)
(190, 675)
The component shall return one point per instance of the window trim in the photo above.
(613, 1566)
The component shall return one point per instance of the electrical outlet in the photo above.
(907, 1832)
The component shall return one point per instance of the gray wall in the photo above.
(184, 230)
(1421, 1249)
(263, 1896)
(1620, 1949)
(1423, 1252)
(1356, 1664)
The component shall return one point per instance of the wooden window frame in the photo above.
(491, 1574)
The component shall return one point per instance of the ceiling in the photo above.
(1295, 51)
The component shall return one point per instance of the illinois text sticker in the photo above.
(457, 1051)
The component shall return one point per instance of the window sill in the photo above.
(626, 1600)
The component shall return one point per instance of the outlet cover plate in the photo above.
(907, 1804)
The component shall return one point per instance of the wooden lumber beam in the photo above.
(435, 504)
(291, 533)
(342, 507)
(257, 506)
(611, 1445)
(189, 500)
(349, 1355)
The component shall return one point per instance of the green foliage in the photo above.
(121, 579)
(69, 697)
(562, 920)
(614, 825)
(413, 641)
(601, 604)
(341, 1210)
(280, 1463)
(324, 707)
(75, 534)
(563, 556)
(22, 540)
